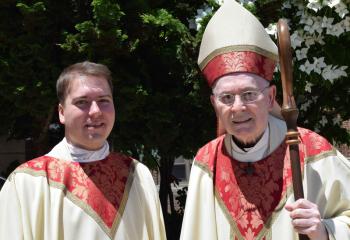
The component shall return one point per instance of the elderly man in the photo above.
(240, 185)
(79, 190)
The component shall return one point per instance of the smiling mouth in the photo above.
(241, 121)
(92, 126)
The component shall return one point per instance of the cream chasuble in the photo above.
(225, 201)
(75, 194)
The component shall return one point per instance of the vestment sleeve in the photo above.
(328, 186)
(199, 222)
(154, 223)
(10, 211)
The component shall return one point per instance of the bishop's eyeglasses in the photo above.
(246, 97)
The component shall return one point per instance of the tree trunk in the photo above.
(165, 194)
(165, 191)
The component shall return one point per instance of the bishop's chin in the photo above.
(246, 143)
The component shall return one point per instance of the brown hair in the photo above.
(85, 68)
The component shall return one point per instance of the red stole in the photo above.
(251, 199)
(98, 186)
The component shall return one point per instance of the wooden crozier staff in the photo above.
(289, 110)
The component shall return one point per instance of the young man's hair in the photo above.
(80, 69)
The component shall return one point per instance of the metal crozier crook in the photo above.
(289, 110)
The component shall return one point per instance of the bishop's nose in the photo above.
(238, 104)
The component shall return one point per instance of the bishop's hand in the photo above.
(306, 219)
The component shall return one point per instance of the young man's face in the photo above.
(88, 112)
(245, 121)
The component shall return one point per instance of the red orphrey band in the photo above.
(242, 61)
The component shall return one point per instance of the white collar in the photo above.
(66, 151)
(255, 153)
(273, 136)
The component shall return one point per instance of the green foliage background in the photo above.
(162, 101)
(162, 105)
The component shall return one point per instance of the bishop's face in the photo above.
(245, 121)
(88, 112)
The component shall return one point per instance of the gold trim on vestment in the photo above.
(266, 231)
(125, 197)
(234, 229)
(35, 173)
(237, 48)
(332, 152)
(204, 167)
(110, 232)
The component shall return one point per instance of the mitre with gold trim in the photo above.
(235, 41)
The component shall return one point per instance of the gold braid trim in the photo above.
(124, 198)
(332, 152)
(266, 230)
(204, 167)
(85, 207)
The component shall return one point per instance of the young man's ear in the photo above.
(61, 113)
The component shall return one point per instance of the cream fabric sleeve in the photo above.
(199, 222)
(146, 221)
(328, 180)
(10, 214)
(29, 209)
(325, 183)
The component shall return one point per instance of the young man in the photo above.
(240, 185)
(79, 190)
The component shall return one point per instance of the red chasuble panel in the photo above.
(99, 185)
(250, 197)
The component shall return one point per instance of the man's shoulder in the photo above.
(210, 146)
(121, 157)
(39, 166)
(206, 155)
(309, 135)
(135, 167)
(126, 160)
(314, 143)
(39, 163)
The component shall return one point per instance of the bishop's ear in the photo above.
(272, 96)
(213, 102)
